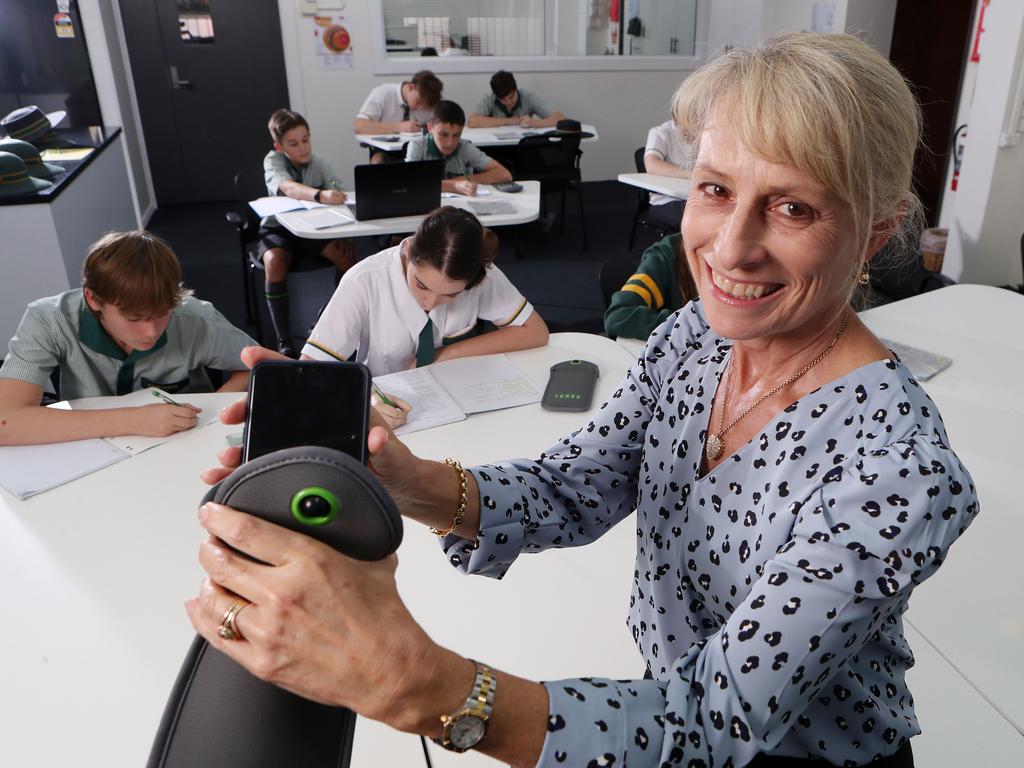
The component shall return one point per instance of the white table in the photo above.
(972, 611)
(527, 203)
(94, 576)
(663, 185)
(499, 136)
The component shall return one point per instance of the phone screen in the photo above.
(304, 402)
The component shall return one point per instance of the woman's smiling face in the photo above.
(772, 251)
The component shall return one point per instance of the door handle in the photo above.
(176, 82)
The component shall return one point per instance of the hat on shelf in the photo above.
(14, 179)
(570, 127)
(33, 161)
(29, 123)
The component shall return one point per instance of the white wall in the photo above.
(985, 216)
(108, 55)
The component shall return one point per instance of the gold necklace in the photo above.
(716, 440)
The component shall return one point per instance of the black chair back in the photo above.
(615, 271)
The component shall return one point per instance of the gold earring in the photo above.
(863, 278)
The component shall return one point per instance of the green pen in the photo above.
(382, 397)
(157, 393)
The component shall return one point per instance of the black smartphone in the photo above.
(570, 386)
(305, 402)
(509, 186)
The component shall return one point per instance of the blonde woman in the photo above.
(791, 482)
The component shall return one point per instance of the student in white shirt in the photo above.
(419, 302)
(399, 108)
(666, 154)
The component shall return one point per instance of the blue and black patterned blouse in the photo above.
(768, 594)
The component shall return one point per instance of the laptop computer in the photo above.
(388, 190)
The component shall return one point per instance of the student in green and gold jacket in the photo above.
(465, 166)
(661, 285)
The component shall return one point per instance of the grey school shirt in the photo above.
(61, 331)
(768, 594)
(465, 157)
(527, 105)
(277, 168)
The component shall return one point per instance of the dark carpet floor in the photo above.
(553, 271)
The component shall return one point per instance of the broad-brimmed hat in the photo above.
(29, 123)
(34, 163)
(14, 179)
(570, 127)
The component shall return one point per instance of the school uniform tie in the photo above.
(425, 345)
(405, 112)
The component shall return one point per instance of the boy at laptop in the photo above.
(464, 167)
(131, 325)
(291, 169)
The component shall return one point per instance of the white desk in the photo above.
(527, 203)
(972, 611)
(499, 136)
(663, 185)
(94, 575)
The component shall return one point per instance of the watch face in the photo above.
(467, 731)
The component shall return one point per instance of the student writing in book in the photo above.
(508, 104)
(398, 108)
(661, 285)
(666, 154)
(464, 166)
(291, 169)
(420, 301)
(131, 325)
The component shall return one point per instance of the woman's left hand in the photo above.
(319, 624)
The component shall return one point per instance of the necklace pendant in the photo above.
(714, 446)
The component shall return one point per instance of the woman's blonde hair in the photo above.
(830, 106)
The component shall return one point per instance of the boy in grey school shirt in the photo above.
(507, 104)
(131, 325)
(465, 166)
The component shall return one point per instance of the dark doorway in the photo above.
(207, 74)
(929, 45)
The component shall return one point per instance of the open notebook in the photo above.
(448, 391)
(26, 470)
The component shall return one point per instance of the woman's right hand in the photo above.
(390, 459)
(161, 419)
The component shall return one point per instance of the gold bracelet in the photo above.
(460, 512)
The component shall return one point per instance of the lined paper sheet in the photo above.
(486, 383)
(431, 405)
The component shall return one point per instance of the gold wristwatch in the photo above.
(467, 726)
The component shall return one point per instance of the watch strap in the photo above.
(316, 197)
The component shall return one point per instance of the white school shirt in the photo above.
(664, 141)
(374, 315)
(384, 104)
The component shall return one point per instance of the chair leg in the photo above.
(246, 286)
(255, 309)
(583, 218)
(561, 222)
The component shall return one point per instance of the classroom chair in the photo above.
(250, 185)
(643, 205)
(554, 161)
(615, 271)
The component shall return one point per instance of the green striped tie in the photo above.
(425, 346)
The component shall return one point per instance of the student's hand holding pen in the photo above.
(409, 126)
(160, 419)
(331, 195)
(466, 186)
(394, 410)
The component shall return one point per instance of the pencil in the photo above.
(157, 393)
(382, 397)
